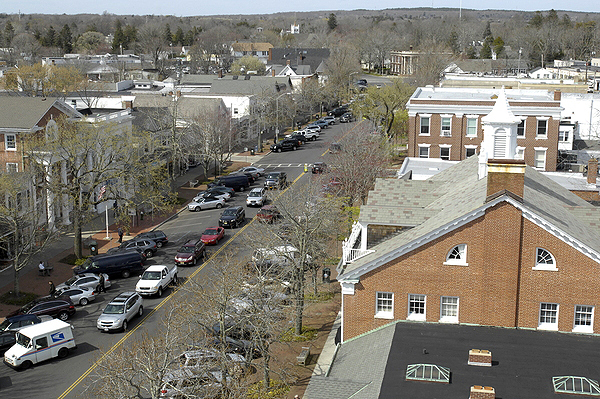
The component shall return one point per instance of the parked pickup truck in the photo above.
(309, 134)
(156, 279)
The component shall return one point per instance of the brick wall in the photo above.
(497, 288)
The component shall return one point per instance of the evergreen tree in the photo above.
(65, 39)
(9, 34)
(498, 46)
(189, 38)
(471, 52)
(168, 36)
(332, 21)
(50, 38)
(178, 38)
(486, 50)
(488, 31)
(118, 42)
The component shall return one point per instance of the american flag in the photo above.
(102, 191)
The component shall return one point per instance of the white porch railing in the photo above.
(349, 253)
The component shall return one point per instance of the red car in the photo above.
(212, 235)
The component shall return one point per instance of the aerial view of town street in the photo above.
(244, 200)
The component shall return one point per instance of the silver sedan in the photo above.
(79, 295)
(206, 203)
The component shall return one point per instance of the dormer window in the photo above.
(457, 256)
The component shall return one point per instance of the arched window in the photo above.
(457, 255)
(544, 260)
(51, 130)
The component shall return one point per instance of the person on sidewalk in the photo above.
(101, 287)
(42, 269)
(52, 287)
(120, 232)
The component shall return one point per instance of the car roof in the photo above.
(192, 242)
(269, 207)
(257, 189)
(22, 317)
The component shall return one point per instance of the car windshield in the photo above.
(273, 176)
(23, 340)
(186, 250)
(266, 211)
(210, 232)
(254, 194)
(230, 212)
(151, 276)
(4, 325)
(114, 309)
(26, 308)
(72, 280)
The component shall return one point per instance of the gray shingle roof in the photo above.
(23, 113)
(460, 194)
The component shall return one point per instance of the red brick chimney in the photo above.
(592, 171)
(273, 72)
(478, 357)
(479, 392)
(506, 174)
(557, 95)
(288, 62)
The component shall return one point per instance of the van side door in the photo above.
(42, 351)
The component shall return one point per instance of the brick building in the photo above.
(447, 123)
(489, 242)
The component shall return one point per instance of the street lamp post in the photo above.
(277, 116)
(350, 82)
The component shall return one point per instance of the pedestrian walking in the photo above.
(101, 287)
(52, 287)
(120, 232)
(42, 269)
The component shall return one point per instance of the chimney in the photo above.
(128, 104)
(479, 392)
(557, 95)
(479, 357)
(505, 175)
(220, 73)
(288, 62)
(411, 47)
(273, 72)
(592, 171)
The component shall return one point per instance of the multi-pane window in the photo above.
(423, 151)
(521, 129)
(539, 160)
(12, 167)
(472, 127)
(542, 128)
(446, 126)
(385, 305)
(548, 316)
(470, 151)
(584, 318)
(544, 260)
(416, 307)
(563, 136)
(449, 309)
(445, 153)
(10, 142)
(457, 255)
(520, 153)
(424, 124)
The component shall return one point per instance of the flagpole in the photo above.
(106, 209)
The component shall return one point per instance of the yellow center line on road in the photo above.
(165, 300)
(345, 134)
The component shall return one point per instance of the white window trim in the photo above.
(449, 147)
(476, 118)
(456, 262)
(548, 326)
(442, 117)
(517, 149)
(541, 136)
(16, 167)
(6, 142)
(543, 266)
(416, 316)
(545, 149)
(424, 116)
(449, 319)
(524, 120)
(583, 329)
(384, 314)
(424, 146)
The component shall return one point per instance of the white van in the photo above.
(40, 342)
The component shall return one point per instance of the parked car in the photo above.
(255, 170)
(233, 217)
(216, 194)
(61, 308)
(212, 235)
(156, 279)
(15, 323)
(79, 295)
(347, 117)
(251, 177)
(297, 136)
(139, 250)
(190, 252)
(320, 123)
(256, 197)
(240, 346)
(85, 280)
(119, 312)
(338, 111)
(238, 182)
(158, 236)
(268, 214)
(335, 148)
(7, 340)
(122, 264)
(329, 119)
(222, 189)
(276, 180)
(148, 246)
(285, 145)
(186, 382)
(314, 127)
(206, 203)
(319, 167)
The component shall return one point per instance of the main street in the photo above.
(68, 378)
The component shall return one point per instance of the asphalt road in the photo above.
(68, 378)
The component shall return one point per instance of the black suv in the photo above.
(157, 236)
(232, 217)
(190, 252)
(285, 145)
(338, 111)
(61, 308)
(276, 180)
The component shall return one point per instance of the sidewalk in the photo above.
(31, 281)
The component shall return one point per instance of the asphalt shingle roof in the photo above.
(23, 113)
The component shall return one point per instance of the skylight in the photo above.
(428, 372)
(576, 385)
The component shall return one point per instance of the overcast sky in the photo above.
(216, 7)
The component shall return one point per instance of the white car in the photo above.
(256, 197)
(223, 196)
(206, 203)
(254, 170)
(79, 295)
(86, 280)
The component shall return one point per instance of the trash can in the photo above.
(326, 275)
(93, 246)
(252, 151)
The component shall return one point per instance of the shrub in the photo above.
(10, 299)
(308, 334)
(277, 389)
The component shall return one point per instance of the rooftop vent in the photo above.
(478, 357)
(428, 372)
(576, 385)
